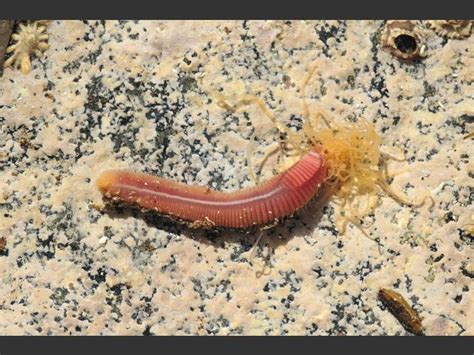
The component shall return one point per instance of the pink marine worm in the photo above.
(202, 207)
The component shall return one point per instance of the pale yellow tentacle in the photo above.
(306, 113)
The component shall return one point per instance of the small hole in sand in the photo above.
(406, 44)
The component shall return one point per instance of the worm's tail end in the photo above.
(106, 180)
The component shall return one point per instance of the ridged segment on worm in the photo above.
(203, 207)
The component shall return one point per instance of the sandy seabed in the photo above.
(143, 95)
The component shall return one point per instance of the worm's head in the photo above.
(352, 155)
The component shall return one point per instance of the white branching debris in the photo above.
(30, 39)
(453, 29)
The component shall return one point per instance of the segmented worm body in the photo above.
(203, 207)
